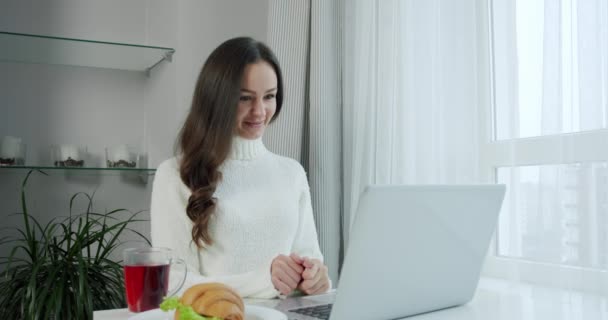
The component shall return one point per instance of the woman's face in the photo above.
(257, 102)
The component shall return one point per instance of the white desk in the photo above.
(496, 300)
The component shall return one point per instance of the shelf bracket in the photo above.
(167, 56)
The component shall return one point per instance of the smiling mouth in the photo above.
(254, 123)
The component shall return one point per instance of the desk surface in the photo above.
(495, 299)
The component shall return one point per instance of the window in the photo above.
(556, 214)
(549, 142)
(550, 67)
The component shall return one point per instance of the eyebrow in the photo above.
(251, 91)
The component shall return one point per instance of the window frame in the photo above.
(541, 150)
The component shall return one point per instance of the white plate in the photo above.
(251, 313)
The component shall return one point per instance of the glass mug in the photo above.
(146, 273)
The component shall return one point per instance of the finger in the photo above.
(314, 283)
(285, 278)
(324, 288)
(293, 274)
(310, 272)
(315, 288)
(295, 266)
(282, 287)
(283, 262)
(306, 285)
(276, 261)
(296, 258)
(308, 263)
(318, 286)
(319, 275)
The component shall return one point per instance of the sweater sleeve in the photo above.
(171, 228)
(306, 241)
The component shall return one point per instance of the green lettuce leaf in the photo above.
(185, 312)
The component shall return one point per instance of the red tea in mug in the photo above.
(146, 286)
(147, 276)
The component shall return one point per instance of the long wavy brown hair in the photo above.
(206, 137)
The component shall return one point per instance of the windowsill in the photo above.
(499, 299)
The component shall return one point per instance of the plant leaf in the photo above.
(62, 269)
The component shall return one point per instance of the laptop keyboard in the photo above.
(321, 312)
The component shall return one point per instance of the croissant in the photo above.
(214, 300)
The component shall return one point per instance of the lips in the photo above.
(254, 123)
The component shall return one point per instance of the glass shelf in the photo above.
(42, 168)
(137, 175)
(29, 48)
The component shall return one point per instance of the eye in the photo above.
(245, 98)
(269, 96)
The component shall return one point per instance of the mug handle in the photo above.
(181, 284)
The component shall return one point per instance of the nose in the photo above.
(258, 109)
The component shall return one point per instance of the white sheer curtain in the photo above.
(550, 80)
(551, 66)
(508, 91)
(410, 112)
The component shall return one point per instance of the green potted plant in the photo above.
(63, 270)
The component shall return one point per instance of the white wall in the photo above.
(202, 26)
(46, 104)
(49, 104)
(56, 104)
(111, 20)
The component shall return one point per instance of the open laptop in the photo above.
(413, 249)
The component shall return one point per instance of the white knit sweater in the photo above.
(263, 210)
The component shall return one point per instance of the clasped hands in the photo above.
(294, 272)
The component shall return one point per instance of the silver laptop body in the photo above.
(413, 249)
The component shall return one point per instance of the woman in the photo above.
(234, 211)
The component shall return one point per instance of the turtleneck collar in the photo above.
(245, 149)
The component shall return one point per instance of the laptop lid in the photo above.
(415, 249)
